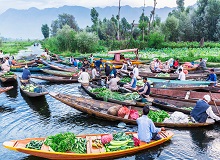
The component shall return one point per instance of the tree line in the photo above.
(182, 24)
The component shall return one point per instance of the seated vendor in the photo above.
(133, 83)
(145, 90)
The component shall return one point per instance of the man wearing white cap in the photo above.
(113, 86)
(203, 110)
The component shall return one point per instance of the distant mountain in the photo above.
(27, 23)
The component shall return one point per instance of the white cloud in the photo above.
(41, 4)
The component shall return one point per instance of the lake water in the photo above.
(22, 117)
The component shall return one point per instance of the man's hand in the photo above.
(162, 129)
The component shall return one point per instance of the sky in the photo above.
(41, 4)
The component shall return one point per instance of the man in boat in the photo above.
(84, 77)
(166, 67)
(157, 65)
(124, 66)
(98, 63)
(113, 83)
(176, 64)
(26, 73)
(95, 73)
(107, 70)
(136, 71)
(86, 63)
(133, 84)
(203, 110)
(114, 71)
(146, 128)
(212, 77)
(145, 90)
(182, 76)
(202, 65)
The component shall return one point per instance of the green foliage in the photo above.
(86, 42)
(45, 30)
(155, 40)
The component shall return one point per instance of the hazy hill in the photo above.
(27, 23)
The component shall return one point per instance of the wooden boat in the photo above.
(56, 67)
(100, 108)
(8, 78)
(186, 96)
(4, 89)
(92, 152)
(32, 69)
(56, 79)
(32, 94)
(173, 105)
(60, 73)
(24, 63)
(93, 95)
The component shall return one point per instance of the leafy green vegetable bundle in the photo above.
(8, 74)
(125, 80)
(64, 142)
(158, 116)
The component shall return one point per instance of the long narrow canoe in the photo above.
(32, 69)
(8, 78)
(24, 63)
(92, 152)
(60, 73)
(93, 95)
(56, 79)
(60, 68)
(4, 89)
(33, 94)
(100, 108)
(186, 96)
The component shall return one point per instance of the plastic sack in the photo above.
(106, 138)
(133, 114)
(123, 111)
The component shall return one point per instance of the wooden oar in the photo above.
(214, 102)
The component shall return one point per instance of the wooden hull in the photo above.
(33, 94)
(68, 69)
(8, 79)
(85, 88)
(187, 96)
(99, 109)
(56, 79)
(4, 89)
(59, 73)
(32, 69)
(25, 63)
(92, 152)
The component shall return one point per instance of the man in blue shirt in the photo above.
(146, 128)
(26, 73)
(98, 63)
(212, 77)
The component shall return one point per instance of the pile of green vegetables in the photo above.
(158, 116)
(28, 87)
(108, 94)
(120, 141)
(8, 74)
(64, 142)
(125, 80)
(163, 75)
(188, 108)
(34, 144)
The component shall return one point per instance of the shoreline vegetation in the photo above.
(185, 51)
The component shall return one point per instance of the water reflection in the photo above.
(4, 109)
(200, 138)
(12, 93)
(38, 104)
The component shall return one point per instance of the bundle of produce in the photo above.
(158, 116)
(125, 80)
(31, 88)
(34, 144)
(97, 90)
(121, 141)
(123, 111)
(66, 142)
(133, 114)
(163, 75)
(140, 83)
(8, 74)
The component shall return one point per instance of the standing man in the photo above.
(212, 77)
(146, 128)
(107, 70)
(203, 110)
(94, 73)
(182, 76)
(136, 71)
(98, 63)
